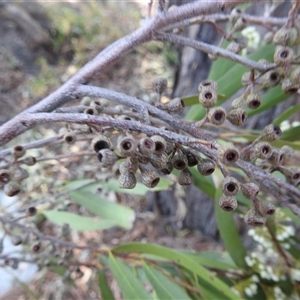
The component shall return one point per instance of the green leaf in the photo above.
(77, 184)
(130, 286)
(77, 222)
(121, 216)
(163, 286)
(215, 260)
(291, 134)
(204, 183)
(229, 234)
(291, 215)
(182, 260)
(105, 290)
(220, 65)
(286, 114)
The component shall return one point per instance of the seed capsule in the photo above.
(191, 158)
(179, 160)
(208, 97)
(253, 101)
(36, 247)
(31, 211)
(175, 105)
(99, 143)
(149, 178)
(159, 85)
(129, 165)
(18, 151)
(16, 240)
(237, 102)
(295, 75)
(146, 146)
(240, 24)
(126, 146)
(262, 150)
(206, 166)
(277, 157)
(250, 190)
(254, 218)
(185, 177)
(268, 38)
(283, 55)
(29, 161)
(91, 111)
(266, 208)
(217, 115)
(228, 154)
(160, 144)
(234, 47)
(143, 160)
(168, 169)
(271, 133)
(292, 174)
(127, 181)
(5, 176)
(230, 186)
(228, 203)
(106, 158)
(20, 174)
(289, 87)
(159, 161)
(12, 189)
(86, 101)
(269, 79)
(235, 14)
(285, 36)
(97, 106)
(70, 138)
(207, 84)
(237, 116)
(288, 153)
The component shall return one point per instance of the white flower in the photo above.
(248, 292)
(278, 293)
(295, 274)
(251, 232)
(250, 262)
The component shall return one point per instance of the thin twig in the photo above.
(214, 50)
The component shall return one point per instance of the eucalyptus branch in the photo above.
(33, 145)
(32, 120)
(67, 92)
(40, 235)
(214, 50)
(260, 176)
(219, 18)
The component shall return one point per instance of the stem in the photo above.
(214, 50)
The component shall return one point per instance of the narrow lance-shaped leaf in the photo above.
(121, 215)
(182, 261)
(77, 222)
(105, 290)
(229, 234)
(130, 286)
(163, 286)
(286, 114)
